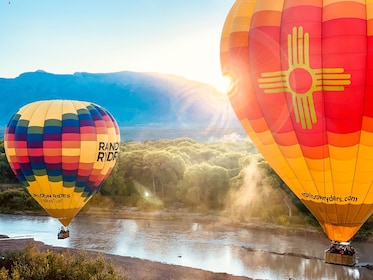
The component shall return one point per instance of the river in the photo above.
(208, 246)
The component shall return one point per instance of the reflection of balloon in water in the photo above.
(62, 151)
(303, 91)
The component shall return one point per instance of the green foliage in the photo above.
(204, 185)
(228, 177)
(367, 228)
(13, 200)
(6, 173)
(35, 264)
(163, 170)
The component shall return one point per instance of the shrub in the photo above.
(32, 263)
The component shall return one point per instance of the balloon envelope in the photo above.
(303, 91)
(62, 151)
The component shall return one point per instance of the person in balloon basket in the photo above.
(63, 233)
(343, 250)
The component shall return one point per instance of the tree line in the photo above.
(180, 173)
(229, 178)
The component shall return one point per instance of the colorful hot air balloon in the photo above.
(62, 151)
(303, 91)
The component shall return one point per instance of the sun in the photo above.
(223, 84)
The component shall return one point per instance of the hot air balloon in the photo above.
(302, 75)
(62, 151)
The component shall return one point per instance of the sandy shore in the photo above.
(135, 268)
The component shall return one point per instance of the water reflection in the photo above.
(251, 253)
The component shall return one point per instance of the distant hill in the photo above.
(135, 99)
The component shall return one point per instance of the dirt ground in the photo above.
(137, 269)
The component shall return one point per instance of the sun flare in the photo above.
(223, 84)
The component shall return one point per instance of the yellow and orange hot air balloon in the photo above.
(303, 91)
(62, 151)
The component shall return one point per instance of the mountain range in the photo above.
(133, 98)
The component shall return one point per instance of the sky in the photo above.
(102, 36)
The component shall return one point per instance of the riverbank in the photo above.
(157, 245)
(213, 220)
(135, 268)
(144, 269)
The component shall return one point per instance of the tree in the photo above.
(228, 160)
(165, 169)
(6, 173)
(204, 185)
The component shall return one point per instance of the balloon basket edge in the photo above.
(341, 254)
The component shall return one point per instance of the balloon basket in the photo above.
(63, 234)
(340, 253)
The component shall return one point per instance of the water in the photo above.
(208, 246)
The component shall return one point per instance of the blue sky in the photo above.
(100, 36)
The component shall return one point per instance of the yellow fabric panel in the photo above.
(40, 112)
(293, 151)
(364, 168)
(69, 107)
(77, 201)
(80, 105)
(266, 138)
(224, 41)
(365, 154)
(342, 223)
(44, 192)
(318, 165)
(340, 233)
(300, 168)
(362, 187)
(321, 178)
(242, 16)
(10, 151)
(66, 203)
(71, 152)
(360, 191)
(38, 189)
(88, 146)
(328, 2)
(294, 3)
(269, 5)
(343, 153)
(63, 215)
(366, 138)
(54, 111)
(27, 111)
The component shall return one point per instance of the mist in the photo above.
(254, 195)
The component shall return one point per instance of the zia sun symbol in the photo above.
(301, 81)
